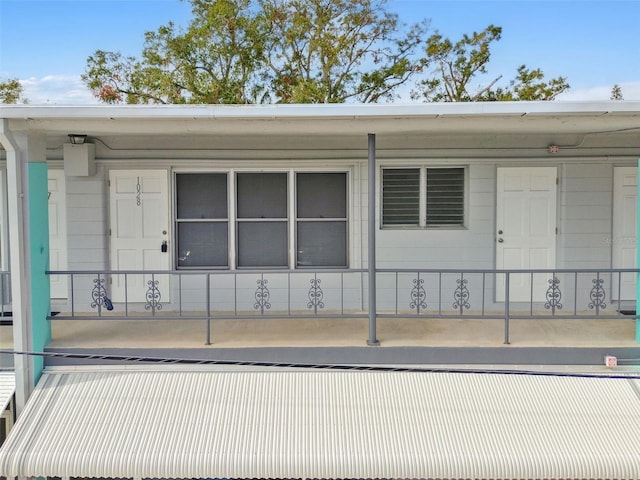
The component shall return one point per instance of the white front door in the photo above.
(139, 217)
(525, 229)
(624, 238)
(57, 233)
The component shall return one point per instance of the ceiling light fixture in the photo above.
(77, 138)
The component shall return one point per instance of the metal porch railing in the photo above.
(400, 293)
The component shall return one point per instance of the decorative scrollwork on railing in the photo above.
(262, 296)
(138, 193)
(316, 295)
(99, 295)
(553, 295)
(153, 296)
(461, 295)
(598, 295)
(418, 295)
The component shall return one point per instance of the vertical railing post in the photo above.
(153, 293)
(637, 265)
(126, 294)
(372, 340)
(101, 292)
(396, 293)
(289, 292)
(73, 302)
(506, 309)
(208, 297)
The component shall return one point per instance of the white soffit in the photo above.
(7, 387)
(322, 424)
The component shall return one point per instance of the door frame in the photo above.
(59, 175)
(617, 240)
(166, 295)
(499, 281)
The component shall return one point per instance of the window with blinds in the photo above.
(401, 196)
(445, 196)
(423, 197)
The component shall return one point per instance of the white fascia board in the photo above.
(344, 111)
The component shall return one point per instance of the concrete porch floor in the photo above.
(341, 332)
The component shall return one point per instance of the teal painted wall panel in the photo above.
(39, 254)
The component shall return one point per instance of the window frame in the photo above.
(238, 220)
(177, 221)
(291, 219)
(422, 200)
(297, 219)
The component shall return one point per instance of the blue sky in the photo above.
(45, 43)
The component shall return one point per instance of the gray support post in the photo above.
(372, 341)
(506, 309)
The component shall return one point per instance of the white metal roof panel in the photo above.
(322, 424)
(7, 387)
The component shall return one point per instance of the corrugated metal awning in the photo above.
(7, 387)
(325, 424)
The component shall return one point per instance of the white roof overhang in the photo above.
(325, 424)
(7, 387)
(317, 120)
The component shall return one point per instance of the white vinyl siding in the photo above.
(423, 197)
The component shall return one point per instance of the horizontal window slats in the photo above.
(401, 196)
(443, 194)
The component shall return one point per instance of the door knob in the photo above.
(499, 232)
(500, 240)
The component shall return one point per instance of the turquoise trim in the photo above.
(39, 255)
(638, 256)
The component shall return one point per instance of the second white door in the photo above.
(624, 238)
(525, 229)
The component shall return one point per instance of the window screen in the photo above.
(262, 244)
(322, 195)
(321, 226)
(202, 244)
(262, 195)
(263, 227)
(445, 196)
(202, 220)
(401, 196)
(201, 195)
(262, 223)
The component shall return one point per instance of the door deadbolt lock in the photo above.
(499, 232)
(164, 247)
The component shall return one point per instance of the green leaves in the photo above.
(11, 91)
(457, 67)
(305, 51)
(329, 51)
